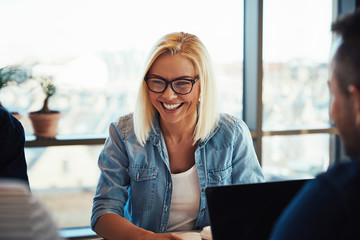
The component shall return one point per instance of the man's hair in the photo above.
(346, 61)
(189, 46)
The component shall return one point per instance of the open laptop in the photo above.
(248, 211)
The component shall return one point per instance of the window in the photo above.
(64, 177)
(296, 45)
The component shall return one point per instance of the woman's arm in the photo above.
(246, 167)
(112, 226)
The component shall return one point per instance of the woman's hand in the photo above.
(111, 226)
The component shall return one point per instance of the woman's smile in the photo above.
(171, 106)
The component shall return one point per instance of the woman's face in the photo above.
(173, 107)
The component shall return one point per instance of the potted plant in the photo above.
(12, 75)
(45, 121)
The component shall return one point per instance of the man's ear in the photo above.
(355, 95)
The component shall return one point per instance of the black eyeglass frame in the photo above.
(170, 82)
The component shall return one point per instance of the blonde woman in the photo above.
(157, 161)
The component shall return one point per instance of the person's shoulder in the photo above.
(232, 123)
(9, 125)
(5, 117)
(126, 119)
(229, 129)
(343, 173)
(4, 113)
(13, 187)
(125, 126)
(25, 214)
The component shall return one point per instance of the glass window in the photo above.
(296, 156)
(64, 178)
(296, 47)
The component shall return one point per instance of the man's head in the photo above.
(345, 82)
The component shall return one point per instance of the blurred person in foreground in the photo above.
(23, 216)
(12, 142)
(157, 161)
(328, 207)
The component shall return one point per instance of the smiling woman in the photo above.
(157, 161)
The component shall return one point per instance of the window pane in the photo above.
(64, 178)
(296, 48)
(295, 157)
(96, 51)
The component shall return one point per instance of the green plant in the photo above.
(49, 89)
(12, 75)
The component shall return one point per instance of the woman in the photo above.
(157, 162)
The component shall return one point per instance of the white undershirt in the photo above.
(185, 202)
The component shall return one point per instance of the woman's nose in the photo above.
(169, 93)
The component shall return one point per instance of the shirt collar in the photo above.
(155, 133)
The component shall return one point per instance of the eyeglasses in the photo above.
(180, 86)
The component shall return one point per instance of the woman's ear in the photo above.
(355, 96)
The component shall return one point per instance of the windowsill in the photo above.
(65, 140)
(78, 233)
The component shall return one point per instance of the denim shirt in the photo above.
(135, 181)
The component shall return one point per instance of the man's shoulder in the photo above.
(343, 173)
(10, 127)
(5, 117)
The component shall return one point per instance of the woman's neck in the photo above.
(177, 132)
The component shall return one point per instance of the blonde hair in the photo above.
(191, 47)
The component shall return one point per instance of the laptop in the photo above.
(248, 211)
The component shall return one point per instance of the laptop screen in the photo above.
(248, 211)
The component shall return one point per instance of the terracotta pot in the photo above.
(45, 124)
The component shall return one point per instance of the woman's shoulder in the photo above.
(229, 129)
(124, 126)
(231, 123)
(126, 119)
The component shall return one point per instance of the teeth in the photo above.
(171, 107)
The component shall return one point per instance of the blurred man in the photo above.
(328, 207)
(12, 141)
